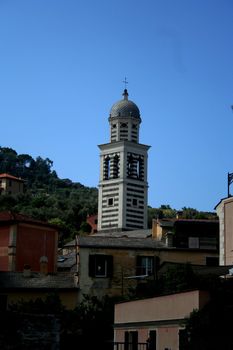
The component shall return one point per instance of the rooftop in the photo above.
(17, 280)
(10, 177)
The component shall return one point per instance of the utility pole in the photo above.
(229, 181)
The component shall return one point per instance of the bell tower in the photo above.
(123, 187)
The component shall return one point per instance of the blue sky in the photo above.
(62, 63)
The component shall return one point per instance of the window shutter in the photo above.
(138, 265)
(109, 265)
(92, 265)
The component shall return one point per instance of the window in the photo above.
(100, 265)
(151, 341)
(193, 242)
(130, 166)
(141, 168)
(145, 265)
(3, 302)
(183, 339)
(116, 166)
(131, 340)
(106, 168)
(212, 261)
(134, 202)
(110, 201)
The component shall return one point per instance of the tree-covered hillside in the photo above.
(61, 201)
(47, 197)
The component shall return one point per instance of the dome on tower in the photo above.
(125, 108)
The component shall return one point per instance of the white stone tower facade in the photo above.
(123, 187)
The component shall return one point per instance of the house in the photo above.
(160, 318)
(28, 262)
(189, 233)
(27, 285)
(25, 241)
(225, 213)
(116, 264)
(10, 184)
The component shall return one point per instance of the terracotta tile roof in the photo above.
(11, 177)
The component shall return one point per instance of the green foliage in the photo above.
(166, 212)
(178, 278)
(90, 324)
(191, 213)
(50, 305)
(47, 197)
(85, 228)
(211, 327)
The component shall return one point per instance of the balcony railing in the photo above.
(129, 346)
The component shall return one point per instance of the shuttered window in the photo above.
(100, 265)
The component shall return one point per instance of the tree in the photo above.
(85, 227)
(211, 327)
(178, 278)
(47, 197)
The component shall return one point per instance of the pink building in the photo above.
(25, 241)
(161, 318)
(225, 213)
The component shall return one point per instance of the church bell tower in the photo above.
(123, 187)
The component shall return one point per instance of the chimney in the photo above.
(76, 279)
(169, 239)
(27, 271)
(156, 229)
(179, 214)
(44, 265)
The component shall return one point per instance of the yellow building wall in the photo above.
(124, 267)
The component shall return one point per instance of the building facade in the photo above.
(11, 185)
(125, 263)
(123, 183)
(25, 242)
(157, 318)
(28, 262)
(224, 211)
